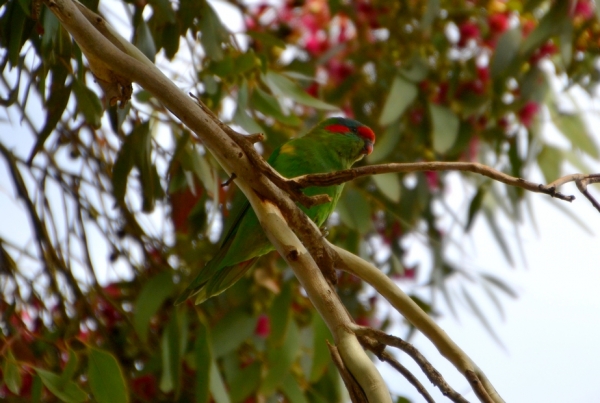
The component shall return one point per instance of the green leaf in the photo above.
(71, 366)
(549, 25)
(292, 390)
(217, 386)
(88, 104)
(213, 34)
(499, 284)
(240, 116)
(121, 169)
(498, 234)
(12, 374)
(386, 144)
(475, 205)
(144, 40)
(389, 185)
(171, 359)
(320, 351)
(401, 95)
(280, 315)
(506, 51)
(268, 105)
(232, 330)
(106, 377)
(67, 391)
(150, 299)
(550, 162)
(18, 19)
(203, 356)
(431, 13)
(445, 126)
(355, 211)
(280, 359)
(481, 316)
(572, 126)
(245, 382)
(282, 86)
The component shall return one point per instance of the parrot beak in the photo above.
(368, 148)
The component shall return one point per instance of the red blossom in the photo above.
(145, 387)
(338, 70)
(583, 10)
(316, 44)
(468, 31)
(441, 94)
(528, 112)
(416, 115)
(547, 49)
(527, 26)
(263, 326)
(498, 23)
(433, 181)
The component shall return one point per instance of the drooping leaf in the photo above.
(106, 377)
(389, 185)
(150, 299)
(320, 351)
(88, 104)
(481, 316)
(550, 162)
(355, 211)
(217, 386)
(572, 126)
(280, 359)
(282, 86)
(213, 34)
(280, 315)
(445, 126)
(203, 356)
(268, 105)
(170, 380)
(245, 383)
(232, 330)
(506, 51)
(401, 95)
(498, 234)
(67, 391)
(71, 366)
(292, 390)
(475, 205)
(12, 374)
(386, 144)
(144, 40)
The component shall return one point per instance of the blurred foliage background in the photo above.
(108, 212)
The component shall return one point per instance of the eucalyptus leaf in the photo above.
(282, 86)
(106, 377)
(401, 95)
(445, 126)
(389, 185)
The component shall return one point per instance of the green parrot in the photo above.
(333, 145)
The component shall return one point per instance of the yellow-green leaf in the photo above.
(106, 377)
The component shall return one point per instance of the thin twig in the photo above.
(379, 350)
(432, 374)
(356, 393)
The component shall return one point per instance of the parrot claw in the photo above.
(324, 232)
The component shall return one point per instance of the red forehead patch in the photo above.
(367, 133)
(337, 128)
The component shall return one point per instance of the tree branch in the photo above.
(415, 315)
(336, 178)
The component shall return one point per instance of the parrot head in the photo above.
(352, 130)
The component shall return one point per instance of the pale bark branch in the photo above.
(270, 203)
(415, 315)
